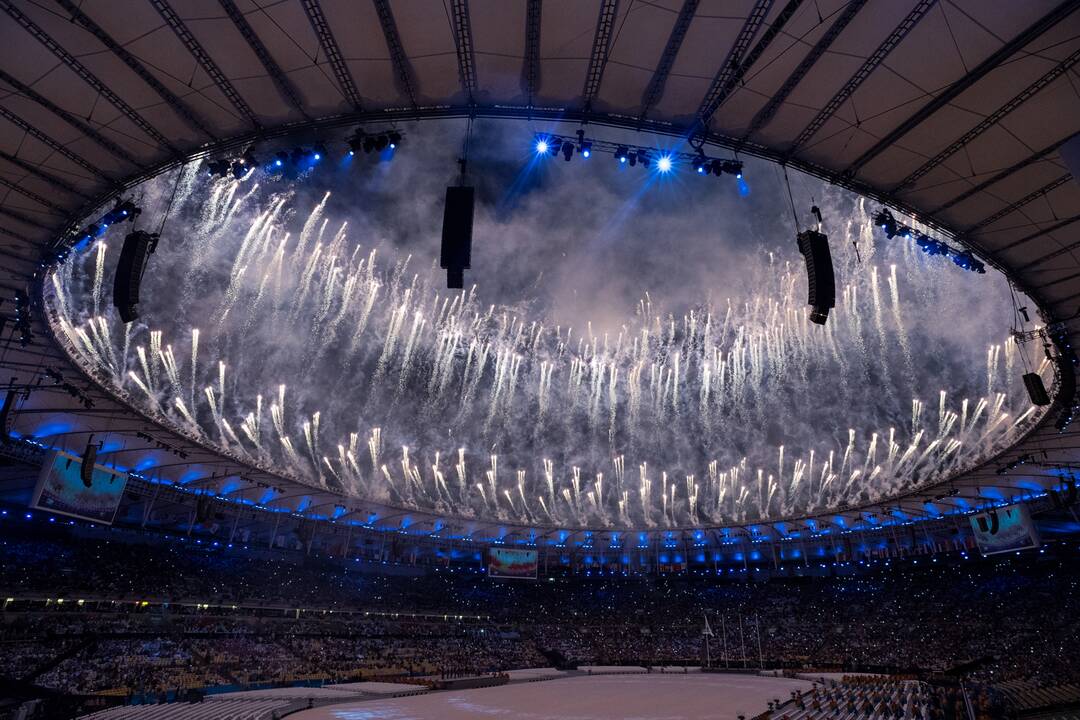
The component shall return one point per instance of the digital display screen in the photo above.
(513, 564)
(1004, 529)
(61, 489)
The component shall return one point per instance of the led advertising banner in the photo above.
(1004, 529)
(513, 564)
(61, 489)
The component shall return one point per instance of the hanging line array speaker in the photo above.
(138, 246)
(457, 235)
(821, 282)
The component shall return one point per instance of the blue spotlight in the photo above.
(541, 147)
(732, 167)
(663, 164)
(278, 163)
(885, 219)
(967, 261)
(931, 247)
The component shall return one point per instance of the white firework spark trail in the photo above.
(721, 409)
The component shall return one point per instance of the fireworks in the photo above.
(307, 343)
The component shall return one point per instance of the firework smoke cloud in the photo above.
(634, 350)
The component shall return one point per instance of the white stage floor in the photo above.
(693, 696)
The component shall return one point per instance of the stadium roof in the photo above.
(952, 110)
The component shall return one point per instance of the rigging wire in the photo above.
(168, 208)
(791, 199)
(463, 161)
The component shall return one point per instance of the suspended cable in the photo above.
(791, 199)
(168, 208)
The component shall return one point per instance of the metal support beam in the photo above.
(999, 176)
(180, 107)
(88, 77)
(236, 522)
(32, 195)
(24, 219)
(149, 507)
(463, 42)
(601, 47)
(530, 71)
(76, 122)
(187, 463)
(17, 236)
(1067, 278)
(199, 481)
(1010, 209)
(273, 534)
(403, 75)
(655, 89)
(1046, 231)
(42, 175)
(1032, 32)
(718, 90)
(990, 121)
(332, 52)
(876, 58)
(204, 60)
(722, 87)
(281, 82)
(1037, 234)
(763, 116)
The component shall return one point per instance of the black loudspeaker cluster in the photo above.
(457, 235)
(1067, 363)
(1036, 389)
(203, 511)
(138, 246)
(5, 413)
(22, 318)
(1066, 499)
(86, 471)
(821, 282)
(991, 525)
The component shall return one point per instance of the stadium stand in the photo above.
(151, 622)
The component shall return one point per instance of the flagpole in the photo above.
(757, 631)
(707, 632)
(723, 631)
(742, 642)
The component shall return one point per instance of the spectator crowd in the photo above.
(160, 617)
